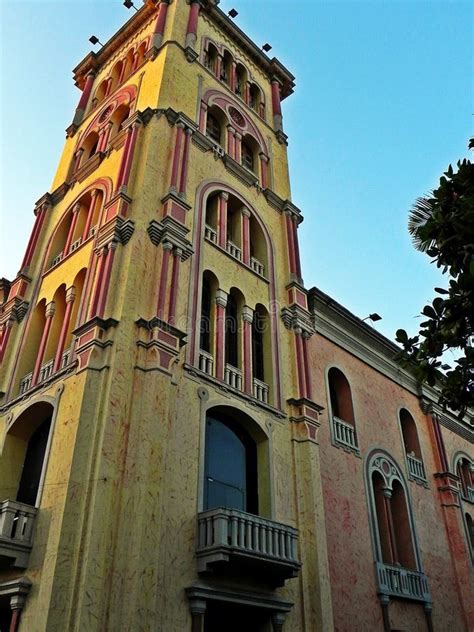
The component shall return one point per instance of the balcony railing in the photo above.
(16, 527)
(206, 362)
(260, 390)
(45, 372)
(416, 469)
(210, 233)
(233, 377)
(469, 494)
(401, 582)
(234, 539)
(344, 433)
(257, 266)
(234, 250)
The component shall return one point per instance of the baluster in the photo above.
(270, 540)
(255, 543)
(263, 538)
(235, 529)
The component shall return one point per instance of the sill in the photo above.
(250, 399)
(87, 168)
(242, 173)
(422, 482)
(68, 256)
(244, 265)
(349, 450)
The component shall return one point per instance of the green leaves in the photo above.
(442, 226)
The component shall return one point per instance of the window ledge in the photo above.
(239, 171)
(88, 167)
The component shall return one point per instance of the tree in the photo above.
(442, 226)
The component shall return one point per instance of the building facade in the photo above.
(189, 438)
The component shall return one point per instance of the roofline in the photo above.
(93, 61)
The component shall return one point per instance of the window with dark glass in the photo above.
(33, 464)
(213, 129)
(247, 157)
(205, 324)
(231, 333)
(230, 467)
(257, 346)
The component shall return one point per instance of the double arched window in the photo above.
(464, 468)
(342, 412)
(399, 567)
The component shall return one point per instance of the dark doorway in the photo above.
(222, 616)
(5, 615)
(33, 464)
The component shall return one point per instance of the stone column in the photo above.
(222, 220)
(203, 117)
(245, 235)
(160, 307)
(72, 227)
(90, 215)
(290, 236)
(263, 171)
(221, 304)
(99, 275)
(157, 37)
(185, 161)
(84, 100)
(191, 29)
(233, 76)
(197, 608)
(104, 289)
(127, 156)
(387, 495)
(177, 254)
(70, 297)
(238, 148)
(247, 320)
(50, 309)
(176, 156)
(231, 141)
(30, 250)
(276, 105)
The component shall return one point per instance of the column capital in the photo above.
(387, 492)
(221, 298)
(231, 129)
(224, 195)
(70, 294)
(197, 606)
(167, 245)
(247, 314)
(95, 193)
(50, 309)
(244, 210)
(77, 207)
(264, 157)
(180, 124)
(178, 252)
(189, 131)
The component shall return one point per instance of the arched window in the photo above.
(399, 569)
(241, 80)
(100, 93)
(89, 146)
(232, 331)
(343, 421)
(464, 468)
(470, 531)
(258, 248)
(117, 119)
(248, 157)
(115, 76)
(230, 478)
(128, 64)
(210, 285)
(255, 97)
(141, 54)
(261, 354)
(23, 463)
(416, 469)
(226, 67)
(214, 126)
(210, 57)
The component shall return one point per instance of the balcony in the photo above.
(233, 377)
(396, 581)
(16, 527)
(206, 362)
(469, 494)
(257, 266)
(210, 234)
(234, 250)
(45, 372)
(231, 541)
(260, 390)
(344, 433)
(416, 469)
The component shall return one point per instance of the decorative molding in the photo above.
(295, 317)
(171, 231)
(249, 178)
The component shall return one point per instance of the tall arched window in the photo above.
(464, 468)
(210, 57)
(241, 80)
(261, 354)
(230, 478)
(226, 68)
(214, 125)
(232, 331)
(470, 531)
(343, 421)
(248, 157)
(399, 569)
(23, 464)
(415, 466)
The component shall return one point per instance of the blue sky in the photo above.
(383, 104)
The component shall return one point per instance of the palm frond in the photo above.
(420, 213)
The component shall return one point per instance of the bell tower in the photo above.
(158, 457)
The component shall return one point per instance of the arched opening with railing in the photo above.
(250, 152)
(464, 468)
(342, 411)
(241, 80)
(415, 466)
(226, 68)
(210, 57)
(216, 123)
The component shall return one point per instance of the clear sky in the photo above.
(383, 104)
